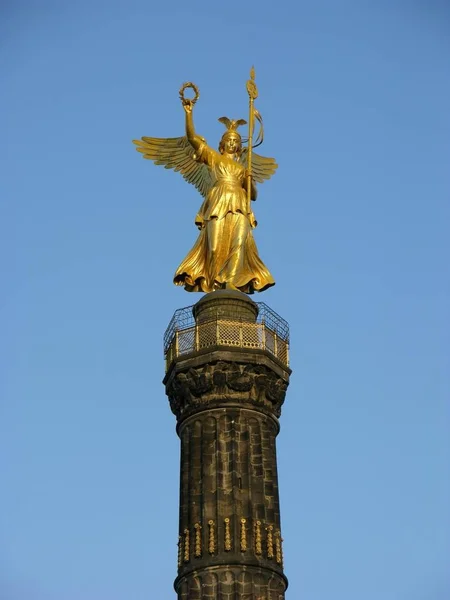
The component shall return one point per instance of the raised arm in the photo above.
(195, 140)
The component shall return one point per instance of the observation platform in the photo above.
(226, 319)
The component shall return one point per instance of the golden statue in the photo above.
(225, 253)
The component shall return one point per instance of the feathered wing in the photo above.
(177, 154)
(262, 167)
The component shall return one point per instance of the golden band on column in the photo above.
(198, 540)
(278, 548)
(243, 535)
(258, 539)
(269, 541)
(227, 535)
(211, 538)
(180, 551)
(186, 545)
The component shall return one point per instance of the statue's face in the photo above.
(231, 144)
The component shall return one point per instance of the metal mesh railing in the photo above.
(270, 332)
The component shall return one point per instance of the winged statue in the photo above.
(225, 253)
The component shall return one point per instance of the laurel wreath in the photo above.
(193, 87)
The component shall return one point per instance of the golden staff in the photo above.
(252, 95)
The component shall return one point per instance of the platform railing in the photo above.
(226, 333)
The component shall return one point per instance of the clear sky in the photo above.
(355, 97)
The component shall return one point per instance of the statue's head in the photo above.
(231, 142)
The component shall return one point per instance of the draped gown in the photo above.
(225, 251)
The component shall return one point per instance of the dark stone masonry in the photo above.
(227, 399)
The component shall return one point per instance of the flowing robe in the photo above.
(225, 251)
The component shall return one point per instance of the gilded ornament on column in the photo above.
(269, 541)
(243, 535)
(258, 539)
(180, 551)
(212, 537)
(198, 540)
(186, 545)
(227, 535)
(278, 549)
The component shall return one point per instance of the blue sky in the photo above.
(354, 227)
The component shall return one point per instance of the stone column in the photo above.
(227, 400)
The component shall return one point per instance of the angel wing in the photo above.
(179, 155)
(262, 167)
